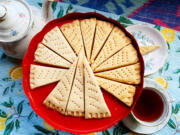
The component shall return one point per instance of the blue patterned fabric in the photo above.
(17, 117)
(120, 7)
(162, 12)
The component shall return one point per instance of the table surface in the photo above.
(17, 117)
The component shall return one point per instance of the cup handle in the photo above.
(171, 100)
(47, 11)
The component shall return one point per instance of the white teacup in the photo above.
(164, 113)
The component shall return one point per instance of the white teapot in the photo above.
(19, 22)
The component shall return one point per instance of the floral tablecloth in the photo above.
(17, 117)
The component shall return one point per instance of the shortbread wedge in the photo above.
(127, 56)
(72, 32)
(123, 92)
(116, 41)
(95, 105)
(47, 56)
(75, 106)
(41, 75)
(129, 74)
(103, 29)
(55, 40)
(88, 31)
(58, 98)
(147, 49)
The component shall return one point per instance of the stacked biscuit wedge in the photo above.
(82, 56)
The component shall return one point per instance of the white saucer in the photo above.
(147, 35)
(136, 127)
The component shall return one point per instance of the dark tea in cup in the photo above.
(150, 107)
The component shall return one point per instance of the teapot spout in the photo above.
(47, 12)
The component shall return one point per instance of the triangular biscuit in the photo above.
(75, 105)
(55, 40)
(116, 41)
(41, 75)
(147, 49)
(47, 56)
(88, 30)
(59, 96)
(72, 32)
(126, 56)
(123, 92)
(95, 106)
(103, 29)
(129, 74)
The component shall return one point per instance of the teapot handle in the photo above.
(47, 12)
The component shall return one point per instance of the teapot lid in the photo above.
(15, 20)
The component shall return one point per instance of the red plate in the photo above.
(66, 123)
